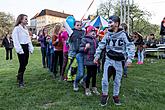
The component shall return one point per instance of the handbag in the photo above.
(118, 56)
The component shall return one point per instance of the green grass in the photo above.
(144, 89)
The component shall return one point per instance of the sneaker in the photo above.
(125, 75)
(104, 100)
(138, 63)
(83, 84)
(116, 100)
(75, 87)
(94, 90)
(88, 92)
(141, 63)
(21, 85)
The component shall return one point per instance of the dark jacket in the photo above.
(162, 29)
(8, 44)
(88, 53)
(75, 40)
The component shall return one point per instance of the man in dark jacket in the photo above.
(8, 44)
(162, 31)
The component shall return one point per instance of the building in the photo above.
(46, 17)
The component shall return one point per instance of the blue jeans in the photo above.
(80, 62)
(140, 55)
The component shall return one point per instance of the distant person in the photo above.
(139, 43)
(151, 41)
(8, 44)
(42, 39)
(22, 45)
(162, 31)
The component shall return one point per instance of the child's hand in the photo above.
(87, 46)
(96, 61)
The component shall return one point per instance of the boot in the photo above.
(21, 83)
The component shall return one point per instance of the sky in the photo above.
(75, 7)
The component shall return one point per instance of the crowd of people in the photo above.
(79, 57)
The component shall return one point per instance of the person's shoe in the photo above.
(75, 87)
(88, 92)
(83, 84)
(21, 85)
(94, 90)
(125, 75)
(104, 100)
(141, 63)
(116, 100)
(138, 63)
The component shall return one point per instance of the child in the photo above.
(140, 50)
(116, 42)
(88, 47)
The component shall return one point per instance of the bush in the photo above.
(35, 43)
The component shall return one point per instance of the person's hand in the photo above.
(96, 61)
(129, 63)
(87, 46)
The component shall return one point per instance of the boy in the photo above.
(116, 42)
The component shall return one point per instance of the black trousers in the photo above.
(91, 73)
(23, 61)
(8, 51)
(58, 59)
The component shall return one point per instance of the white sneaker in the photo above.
(94, 90)
(88, 92)
(75, 87)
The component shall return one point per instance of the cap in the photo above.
(89, 29)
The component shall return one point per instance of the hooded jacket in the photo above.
(118, 42)
(88, 53)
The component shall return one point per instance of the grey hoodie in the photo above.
(118, 42)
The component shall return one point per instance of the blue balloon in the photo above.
(70, 20)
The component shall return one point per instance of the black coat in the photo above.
(7, 44)
(162, 29)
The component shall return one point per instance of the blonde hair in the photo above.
(57, 29)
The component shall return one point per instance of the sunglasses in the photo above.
(78, 25)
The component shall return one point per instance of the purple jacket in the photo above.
(42, 41)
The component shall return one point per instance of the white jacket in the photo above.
(20, 36)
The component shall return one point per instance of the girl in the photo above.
(139, 44)
(42, 39)
(88, 47)
(22, 45)
(58, 45)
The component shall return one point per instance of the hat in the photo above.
(114, 18)
(89, 29)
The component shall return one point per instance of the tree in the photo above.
(138, 18)
(6, 23)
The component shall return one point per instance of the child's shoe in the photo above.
(116, 100)
(141, 63)
(88, 92)
(94, 90)
(138, 63)
(104, 100)
(75, 87)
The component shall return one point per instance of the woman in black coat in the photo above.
(8, 44)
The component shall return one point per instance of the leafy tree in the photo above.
(6, 23)
(138, 18)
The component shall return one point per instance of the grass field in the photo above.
(144, 89)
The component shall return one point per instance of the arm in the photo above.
(83, 45)
(17, 45)
(101, 46)
(130, 48)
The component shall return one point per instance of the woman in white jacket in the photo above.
(22, 45)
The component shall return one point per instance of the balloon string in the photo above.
(87, 9)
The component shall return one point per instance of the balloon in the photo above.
(70, 20)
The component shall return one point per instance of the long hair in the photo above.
(19, 19)
(57, 29)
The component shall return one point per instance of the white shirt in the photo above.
(20, 36)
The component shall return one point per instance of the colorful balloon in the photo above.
(70, 20)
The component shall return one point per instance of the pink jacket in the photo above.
(64, 36)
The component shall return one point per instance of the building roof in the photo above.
(51, 13)
(35, 16)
